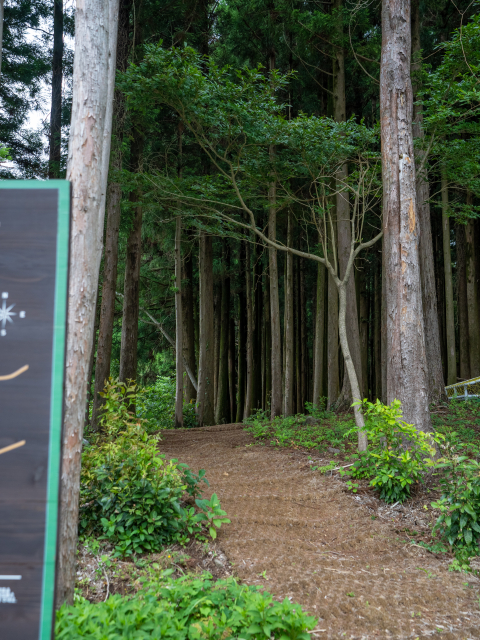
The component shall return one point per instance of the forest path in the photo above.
(317, 544)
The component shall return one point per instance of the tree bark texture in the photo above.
(407, 375)
(242, 338)
(377, 391)
(332, 351)
(232, 383)
(319, 336)
(189, 392)
(250, 333)
(56, 105)
(363, 326)
(205, 393)
(449, 311)
(289, 326)
(276, 346)
(425, 246)
(87, 168)
(472, 301)
(114, 198)
(131, 290)
(462, 305)
(222, 414)
(178, 326)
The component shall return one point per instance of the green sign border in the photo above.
(56, 398)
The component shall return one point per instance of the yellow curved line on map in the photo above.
(12, 446)
(15, 374)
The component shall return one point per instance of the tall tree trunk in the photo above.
(87, 169)
(242, 338)
(57, 75)
(383, 323)
(437, 236)
(250, 333)
(449, 312)
(303, 337)
(131, 293)
(189, 392)
(114, 198)
(232, 370)
(179, 326)
(319, 337)
(472, 301)
(377, 392)
(217, 320)
(298, 346)
(222, 415)
(268, 342)
(407, 375)
(289, 326)
(332, 351)
(258, 315)
(462, 305)
(276, 350)
(425, 247)
(205, 393)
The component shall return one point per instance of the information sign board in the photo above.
(34, 239)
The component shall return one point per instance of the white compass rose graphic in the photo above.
(6, 314)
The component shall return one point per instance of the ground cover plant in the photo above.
(189, 607)
(316, 431)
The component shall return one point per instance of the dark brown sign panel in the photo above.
(34, 233)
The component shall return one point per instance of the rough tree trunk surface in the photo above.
(289, 328)
(205, 393)
(407, 376)
(188, 310)
(449, 313)
(276, 347)
(425, 246)
(462, 306)
(178, 326)
(319, 336)
(87, 168)
(472, 301)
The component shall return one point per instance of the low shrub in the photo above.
(187, 608)
(459, 506)
(157, 406)
(130, 495)
(397, 456)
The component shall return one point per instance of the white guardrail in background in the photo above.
(465, 389)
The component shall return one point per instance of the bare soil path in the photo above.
(302, 536)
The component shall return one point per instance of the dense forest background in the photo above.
(264, 102)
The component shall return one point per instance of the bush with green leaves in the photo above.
(459, 505)
(187, 608)
(397, 456)
(157, 405)
(130, 495)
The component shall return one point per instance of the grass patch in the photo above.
(317, 432)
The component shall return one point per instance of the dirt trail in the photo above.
(319, 546)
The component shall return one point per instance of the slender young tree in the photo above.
(222, 409)
(57, 77)
(406, 360)
(87, 170)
